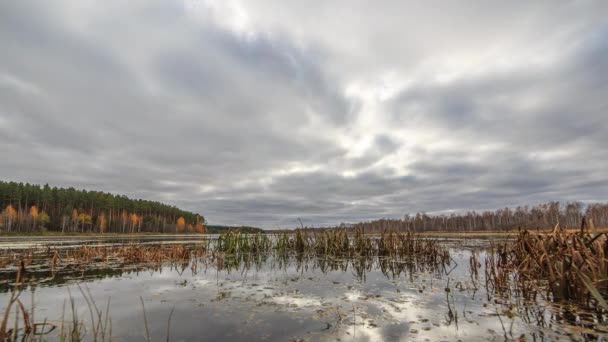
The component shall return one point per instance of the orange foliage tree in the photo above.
(134, 220)
(180, 225)
(74, 219)
(34, 216)
(199, 228)
(102, 222)
(9, 217)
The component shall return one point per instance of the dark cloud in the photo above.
(265, 113)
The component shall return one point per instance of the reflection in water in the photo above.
(263, 297)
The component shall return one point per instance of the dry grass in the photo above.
(562, 265)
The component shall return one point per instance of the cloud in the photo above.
(262, 113)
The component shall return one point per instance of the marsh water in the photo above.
(297, 298)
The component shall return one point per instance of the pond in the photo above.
(293, 298)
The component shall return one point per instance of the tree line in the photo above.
(31, 207)
(568, 215)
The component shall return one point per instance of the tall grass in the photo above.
(562, 265)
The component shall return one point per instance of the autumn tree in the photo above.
(199, 228)
(34, 216)
(102, 222)
(75, 219)
(9, 217)
(44, 219)
(180, 225)
(134, 220)
(84, 219)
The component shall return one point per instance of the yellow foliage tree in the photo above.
(180, 225)
(44, 218)
(84, 219)
(34, 216)
(10, 216)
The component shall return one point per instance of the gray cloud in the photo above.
(263, 112)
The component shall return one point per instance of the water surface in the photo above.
(299, 298)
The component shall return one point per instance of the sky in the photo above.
(263, 112)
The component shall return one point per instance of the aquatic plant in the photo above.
(71, 328)
(334, 243)
(564, 265)
(232, 248)
(7, 334)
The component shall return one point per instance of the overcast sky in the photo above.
(260, 112)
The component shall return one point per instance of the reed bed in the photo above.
(90, 254)
(327, 243)
(338, 243)
(236, 242)
(131, 254)
(562, 265)
(395, 252)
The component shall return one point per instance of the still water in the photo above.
(295, 299)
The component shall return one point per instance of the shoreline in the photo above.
(59, 235)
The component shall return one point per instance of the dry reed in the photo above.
(563, 265)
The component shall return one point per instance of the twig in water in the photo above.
(143, 308)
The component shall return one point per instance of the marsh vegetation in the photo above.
(310, 286)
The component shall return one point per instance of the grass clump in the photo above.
(562, 265)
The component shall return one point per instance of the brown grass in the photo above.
(563, 265)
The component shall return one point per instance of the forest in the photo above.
(33, 208)
(546, 215)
